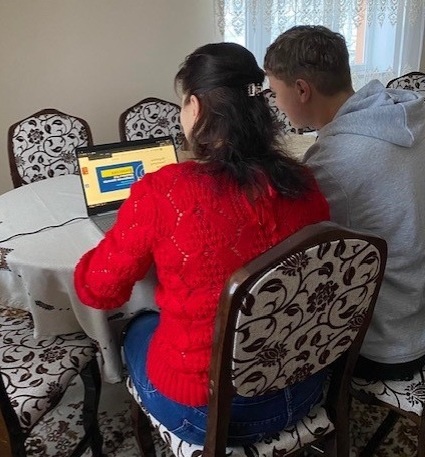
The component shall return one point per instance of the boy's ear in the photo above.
(303, 89)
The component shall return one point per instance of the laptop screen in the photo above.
(107, 171)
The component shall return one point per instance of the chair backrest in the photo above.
(414, 80)
(43, 145)
(150, 118)
(291, 312)
(282, 119)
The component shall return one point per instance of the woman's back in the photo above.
(206, 228)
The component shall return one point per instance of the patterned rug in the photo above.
(56, 434)
(364, 420)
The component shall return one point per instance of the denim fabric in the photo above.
(252, 418)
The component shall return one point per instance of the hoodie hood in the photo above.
(392, 115)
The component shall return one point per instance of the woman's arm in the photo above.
(104, 277)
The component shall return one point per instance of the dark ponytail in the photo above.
(236, 133)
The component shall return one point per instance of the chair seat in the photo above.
(310, 428)
(26, 361)
(406, 395)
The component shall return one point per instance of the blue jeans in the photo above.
(252, 418)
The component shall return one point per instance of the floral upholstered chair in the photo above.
(402, 399)
(34, 374)
(151, 118)
(285, 125)
(282, 119)
(410, 81)
(302, 306)
(43, 145)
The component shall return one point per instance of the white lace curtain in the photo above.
(384, 37)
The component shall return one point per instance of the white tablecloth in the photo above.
(36, 270)
(297, 145)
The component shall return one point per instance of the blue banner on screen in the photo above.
(120, 176)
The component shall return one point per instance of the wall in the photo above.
(92, 58)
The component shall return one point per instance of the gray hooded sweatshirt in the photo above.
(369, 162)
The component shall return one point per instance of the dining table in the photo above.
(296, 145)
(44, 231)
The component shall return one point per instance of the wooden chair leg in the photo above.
(142, 430)
(342, 426)
(383, 430)
(92, 385)
(421, 438)
(330, 447)
(5, 447)
(16, 436)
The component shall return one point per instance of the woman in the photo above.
(199, 221)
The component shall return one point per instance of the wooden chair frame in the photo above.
(221, 389)
(5, 447)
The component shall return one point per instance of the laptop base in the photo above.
(104, 221)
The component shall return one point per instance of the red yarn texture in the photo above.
(198, 229)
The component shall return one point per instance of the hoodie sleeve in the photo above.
(330, 185)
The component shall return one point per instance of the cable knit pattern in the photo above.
(198, 229)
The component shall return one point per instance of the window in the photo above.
(384, 37)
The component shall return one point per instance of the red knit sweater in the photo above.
(198, 229)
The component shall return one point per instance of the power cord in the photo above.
(43, 228)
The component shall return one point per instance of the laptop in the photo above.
(107, 172)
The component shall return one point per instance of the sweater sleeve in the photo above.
(104, 277)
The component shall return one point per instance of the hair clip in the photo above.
(254, 89)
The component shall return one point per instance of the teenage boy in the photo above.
(369, 160)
